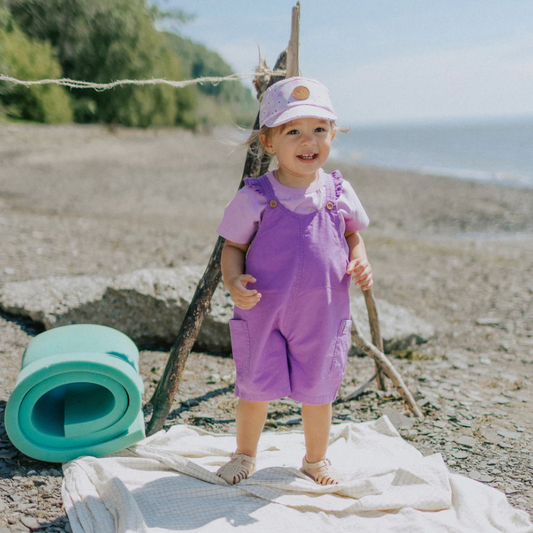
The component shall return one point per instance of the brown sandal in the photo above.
(325, 475)
(235, 470)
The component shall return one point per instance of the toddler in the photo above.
(292, 245)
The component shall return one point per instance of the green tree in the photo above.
(107, 40)
(27, 59)
(221, 103)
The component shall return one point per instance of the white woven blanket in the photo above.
(166, 483)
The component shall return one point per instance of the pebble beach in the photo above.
(91, 200)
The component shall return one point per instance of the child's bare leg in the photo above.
(251, 418)
(317, 423)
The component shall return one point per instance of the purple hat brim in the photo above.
(299, 111)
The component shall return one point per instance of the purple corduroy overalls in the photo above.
(294, 342)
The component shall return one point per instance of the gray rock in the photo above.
(30, 522)
(460, 365)
(469, 442)
(509, 434)
(8, 454)
(23, 507)
(478, 476)
(486, 321)
(458, 454)
(504, 445)
(400, 328)
(398, 420)
(500, 399)
(149, 305)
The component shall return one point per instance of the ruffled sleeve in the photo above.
(243, 214)
(337, 182)
(350, 207)
(255, 184)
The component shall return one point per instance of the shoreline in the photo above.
(483, 178)
(485, 151)
(461, 175)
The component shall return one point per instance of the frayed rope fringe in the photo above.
(75, 84)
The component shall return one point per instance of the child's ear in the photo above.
(267, 143)
(333, 133)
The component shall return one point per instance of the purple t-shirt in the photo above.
(244, 213)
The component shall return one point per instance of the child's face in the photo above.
(301, 146)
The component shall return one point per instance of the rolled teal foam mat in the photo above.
(78, 393)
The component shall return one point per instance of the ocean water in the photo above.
(497, 151)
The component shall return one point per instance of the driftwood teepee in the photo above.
(253, 167)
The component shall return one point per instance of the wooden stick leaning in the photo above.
(168, 385)
(375, 333)
(293, 61)
(386, 366)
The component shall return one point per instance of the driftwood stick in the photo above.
(386, 366)
(293, 64)
(355, 394)
(375, 333)
(168, 385)
(200, 304)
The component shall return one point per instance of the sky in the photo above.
(386, 61)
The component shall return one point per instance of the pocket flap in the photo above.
(240, 344)
(345, 327)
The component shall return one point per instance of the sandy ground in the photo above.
(86, 200)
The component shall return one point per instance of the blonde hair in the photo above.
(256, 147)
(254, 144)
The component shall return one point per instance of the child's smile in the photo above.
(301, 146)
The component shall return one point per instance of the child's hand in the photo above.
(362, 273)
(241, 296)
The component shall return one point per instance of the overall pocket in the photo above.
(240, 345)
(342, 344)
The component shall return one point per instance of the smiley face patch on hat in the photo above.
(294, 98)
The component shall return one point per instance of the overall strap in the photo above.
(334, 186)
(269, 190)
(261, 185)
